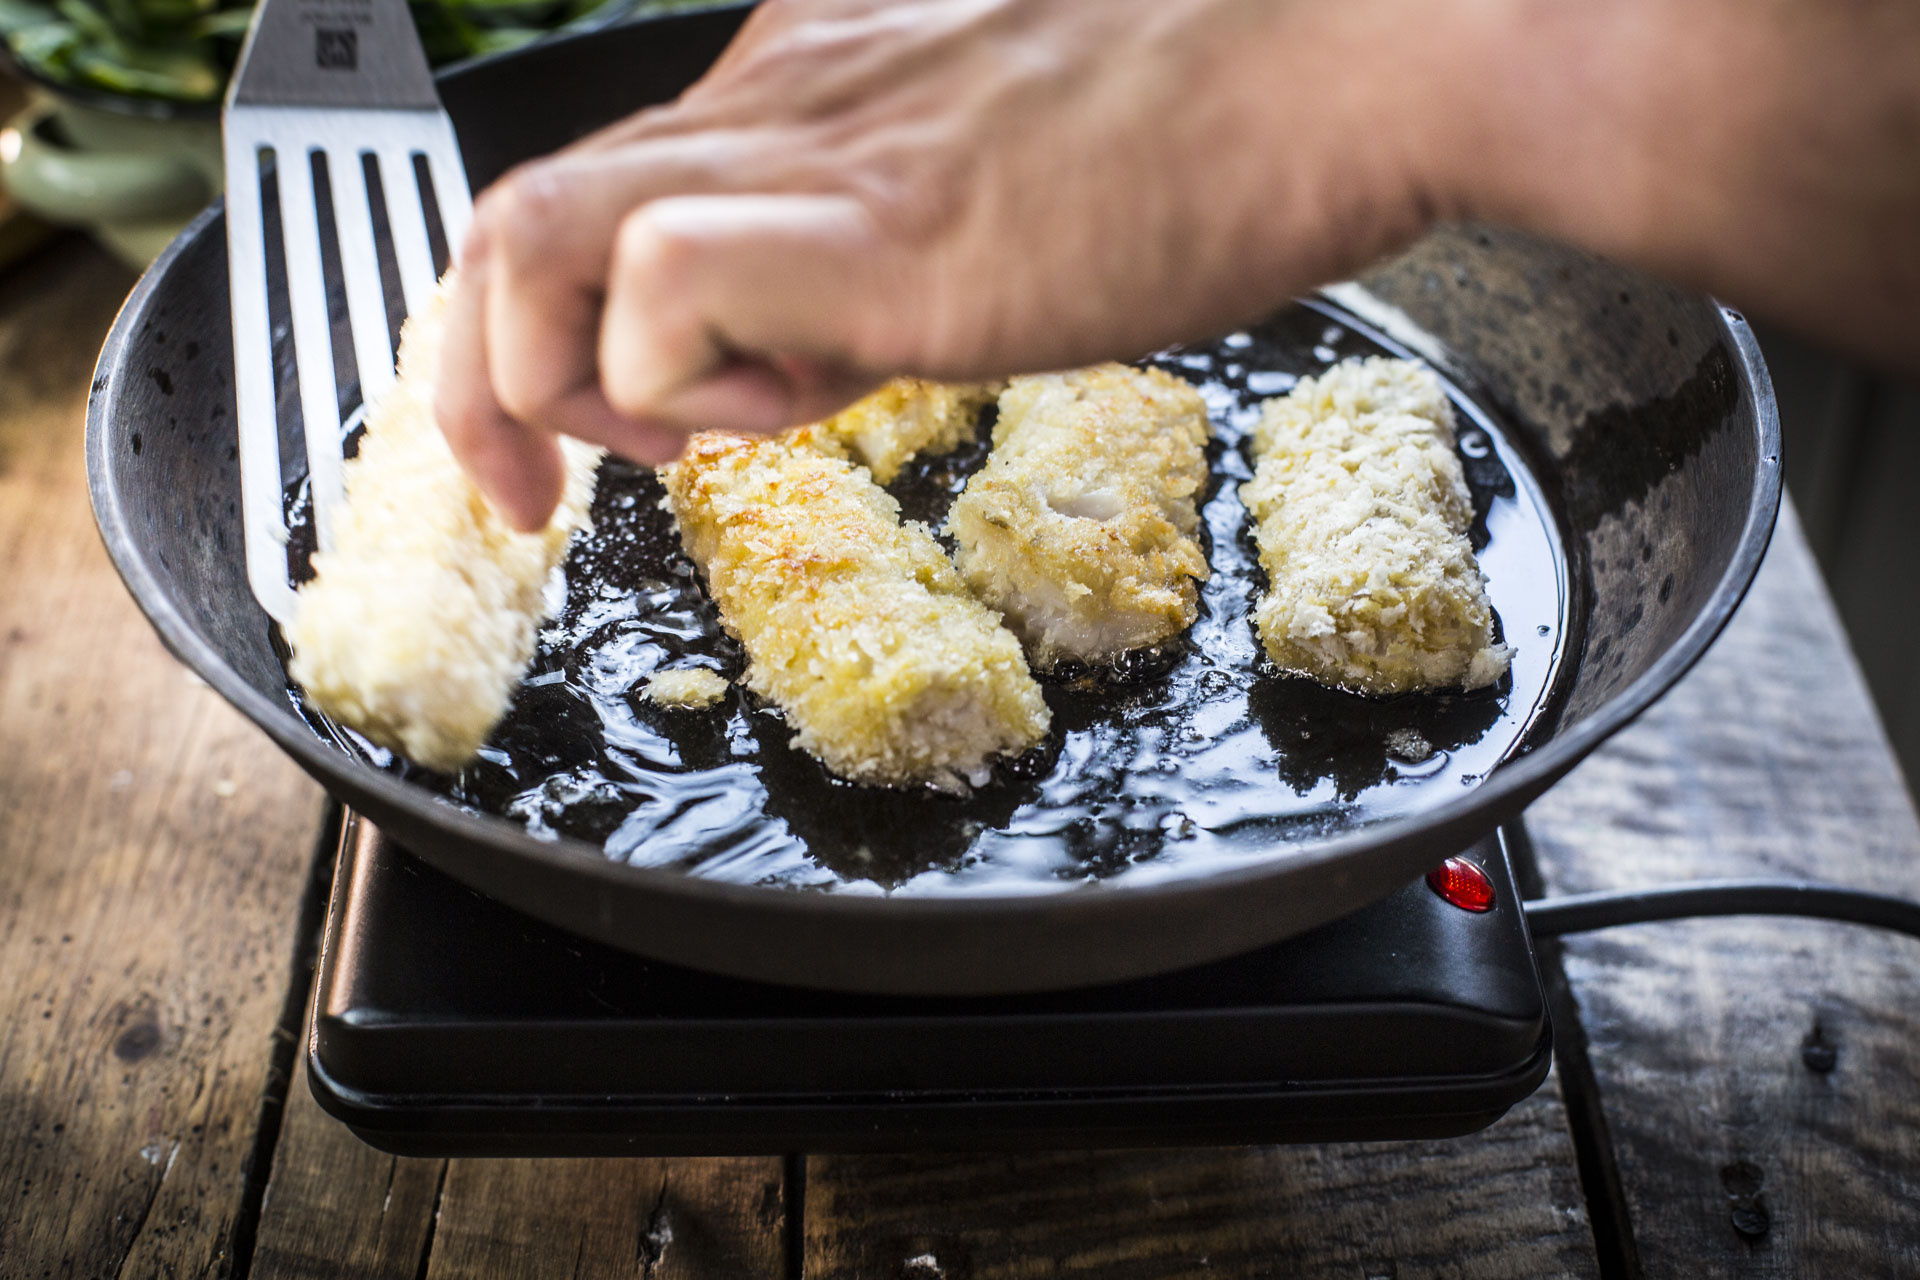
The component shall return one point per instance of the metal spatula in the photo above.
(333, 95)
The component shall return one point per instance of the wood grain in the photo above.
(1756, 1080)
(658, 1219)
(1502, 1203)
(1760, 1078)
(152, 856)
(336, 1209)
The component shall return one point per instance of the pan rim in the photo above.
(1507, 789)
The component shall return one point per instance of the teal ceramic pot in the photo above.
(132, 171)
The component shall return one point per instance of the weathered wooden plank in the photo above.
(152, 857)
(659, 1219)
(1878, 531)
(336, 1209)
(1760, 1079)
(1502, 1203)
(1823, 403)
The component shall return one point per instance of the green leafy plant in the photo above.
(184, 50)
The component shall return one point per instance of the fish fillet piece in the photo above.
(1080, 528)
(419, 622)
(855, 625)
(906, 417)
(1361, 513)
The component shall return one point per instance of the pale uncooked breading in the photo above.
(1081, 527)
(855, 625)
(419, 622)
(904, 418)
(1361, 514)
(686, 688)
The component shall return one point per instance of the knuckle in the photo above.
(885, 329)
(522, 398)
(523, 212)
(790, 57)
(913, 195)
(651, 255)
(525, 388)
(623, 390)
(652, 312)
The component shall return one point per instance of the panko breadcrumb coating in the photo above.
(420, 620)
(855, 625)
(686, 688)
(1080, 528)
(908, 416)
(1361, 513)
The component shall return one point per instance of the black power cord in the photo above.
(1580, 912)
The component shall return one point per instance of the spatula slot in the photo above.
(394, 299)
(430, 202)
(344, 195)
(347, 381)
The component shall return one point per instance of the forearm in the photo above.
(966, 189)
(1768, 153)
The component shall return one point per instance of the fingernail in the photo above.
(517, 511)
(662, 455)
(528, 500)
(654, 446)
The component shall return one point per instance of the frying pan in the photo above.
(1644, 412)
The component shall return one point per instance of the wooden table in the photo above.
(1731, 1097)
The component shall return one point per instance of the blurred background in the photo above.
(1852, 454)
(112, 132)
(120, 130)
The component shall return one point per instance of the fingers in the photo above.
(701, 287)
(549, 229)
(624, 293)
(586, 415)
(517, 467)
(755, 396)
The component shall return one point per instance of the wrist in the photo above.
(1535, 105)
(1751, 151)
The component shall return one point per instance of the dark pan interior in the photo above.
(1643, 412)
(1183, 761)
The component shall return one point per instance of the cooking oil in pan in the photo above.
(1182, 762)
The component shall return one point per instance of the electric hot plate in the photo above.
(448, 1024)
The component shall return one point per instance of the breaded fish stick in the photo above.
(855, 624)
(1080, 528)
(1361, 513)
(908, 416)
(420, 620)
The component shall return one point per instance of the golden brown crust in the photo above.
(1080, 528)
(1361, 513)
(855, 625)
(904, 418)
(420, 620)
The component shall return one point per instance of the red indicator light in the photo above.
(1459, 882)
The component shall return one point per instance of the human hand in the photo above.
(951, 188)
(975, 188)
